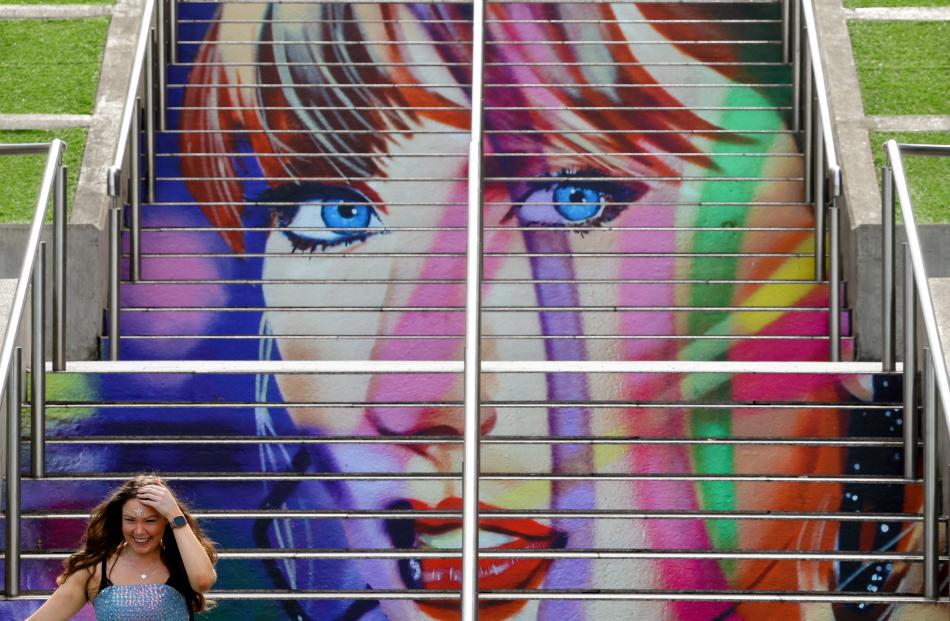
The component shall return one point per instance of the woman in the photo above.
(144, 557)
(356, 114)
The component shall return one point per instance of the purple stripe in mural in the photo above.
(572, 421)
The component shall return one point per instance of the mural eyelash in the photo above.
(303, 244)
(599, 200)
(318, 216)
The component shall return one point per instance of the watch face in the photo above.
(179, 521)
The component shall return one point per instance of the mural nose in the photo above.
(446, 421)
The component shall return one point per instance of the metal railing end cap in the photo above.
(836, 183)
(60, 146)
(113, 181)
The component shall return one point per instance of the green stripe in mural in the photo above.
(721, 495)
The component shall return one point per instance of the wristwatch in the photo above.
(178, 521)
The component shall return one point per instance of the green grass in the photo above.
(903, 66)
(50, 66)
(928, 177)
(856, 4)
(20, 175)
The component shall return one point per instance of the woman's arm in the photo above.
(66, 600)
(201, 574)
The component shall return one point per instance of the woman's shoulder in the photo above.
(83, 581)
(93, 575)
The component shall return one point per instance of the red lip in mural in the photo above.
(495, 573)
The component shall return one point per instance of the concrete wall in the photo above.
(85, 269)
(940, 290)
(865, 281)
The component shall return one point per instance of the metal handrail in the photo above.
(143, 111)
(473, 323)
(33, 277)
(919, 349)
(822, 170)
(821, 99)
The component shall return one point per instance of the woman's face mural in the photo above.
(599, 159)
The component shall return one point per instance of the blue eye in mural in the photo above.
(577, 202)
(318, 216)
(345, 217)
(577, 199)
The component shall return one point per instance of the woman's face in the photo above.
(142, 527)
(564, 228)
(396, 272)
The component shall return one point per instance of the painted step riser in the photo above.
(644, 241)
(156, 296)
(718, 388)
(202, 12)
(495, 101)
(782, 214)
(225, 458)
(170, 148)
(253, 495)
(317, 574)
(282, 607)
(59, 534)
(157, 267)
(690, 94)
(727, 189)
(137, 294)
(691, 71)
(600, 323)
(611, 348)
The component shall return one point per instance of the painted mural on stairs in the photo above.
(335, 171)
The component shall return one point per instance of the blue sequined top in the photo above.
(139, 602)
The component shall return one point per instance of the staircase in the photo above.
(644, 202)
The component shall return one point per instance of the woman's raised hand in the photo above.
(161, 499)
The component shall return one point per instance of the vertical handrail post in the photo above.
(818, 195)
(809, 149)
(115, 232)
(910, 367)
(38, 368)
(888, 354)
(135, 194)
(834, 282)
(786, 28)
(931, 558)
(473, 310)
(12, 517)
(59, 269)
(150, 110)
(173, 30)
(796, 31)
(160, 56)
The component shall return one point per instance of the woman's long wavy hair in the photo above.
(104, 537)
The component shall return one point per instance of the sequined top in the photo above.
(139, 602)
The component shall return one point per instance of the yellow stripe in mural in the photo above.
(776, 294)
